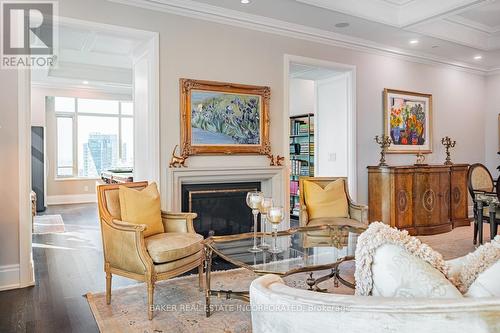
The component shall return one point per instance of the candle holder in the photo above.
(384, 141)
(254, 200)
(276, 215)
(265, 205)
(448, 143)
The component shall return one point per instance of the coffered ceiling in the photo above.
(91, 58)
(463, 33)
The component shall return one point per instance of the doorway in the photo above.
(99, 65)
(320, 113)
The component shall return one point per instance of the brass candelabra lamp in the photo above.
(384, 141)
(448, 143)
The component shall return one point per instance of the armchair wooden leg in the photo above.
(151, 287)
(108, 287)
(200, 276)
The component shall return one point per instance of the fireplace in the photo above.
(221, 207)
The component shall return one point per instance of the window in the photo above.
(93, 135)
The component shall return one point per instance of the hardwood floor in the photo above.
(67, 266)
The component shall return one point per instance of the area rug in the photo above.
(180, 306)
(47, 224)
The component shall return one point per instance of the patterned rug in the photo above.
(47, 224)
(180, 307)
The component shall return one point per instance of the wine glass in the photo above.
(254, 200)
(275, 216)
(265, 205)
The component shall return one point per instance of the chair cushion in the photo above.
(330, 201)
(391, 263)
(479, 273)
(187, 263)
(172, 246)
(142, 207)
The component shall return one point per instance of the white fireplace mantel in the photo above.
(271, 178)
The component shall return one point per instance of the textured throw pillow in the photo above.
(479, 275)
(142, 207)
(330, 201)
(391, 263)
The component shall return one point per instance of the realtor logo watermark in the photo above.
(29, 33)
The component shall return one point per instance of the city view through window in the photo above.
(93, 136)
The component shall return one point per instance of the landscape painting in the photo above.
(224, 118)
(408, 121)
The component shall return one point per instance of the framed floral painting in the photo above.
(224, 118)
(408, 121)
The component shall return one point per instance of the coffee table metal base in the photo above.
(245, 296)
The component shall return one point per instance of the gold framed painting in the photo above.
(408, 121)
(224, 118)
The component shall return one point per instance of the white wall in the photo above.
(331, 127)
(9, 191)
(301, 97)
(492, 139)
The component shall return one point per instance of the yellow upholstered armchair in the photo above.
(340, 211)
(128, 253)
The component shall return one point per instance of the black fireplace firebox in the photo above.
(221, 208)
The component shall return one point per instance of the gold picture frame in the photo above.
(408, 121)
(224, 118)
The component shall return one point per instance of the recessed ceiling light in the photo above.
(85, 82)
(342, 25)
(245, 2)
(478, 57)
(414, 41)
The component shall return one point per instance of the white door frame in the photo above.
(26, 272)
(350, 71)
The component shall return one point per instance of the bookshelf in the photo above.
(301, 156)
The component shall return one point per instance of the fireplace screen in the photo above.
(221, 208)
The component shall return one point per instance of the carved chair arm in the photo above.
(303, 216)
(124, 246)
(178, 222)
(358, 212)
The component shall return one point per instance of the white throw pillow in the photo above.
(397, 273)
(391, 263)
(479, 274)
(487, 284)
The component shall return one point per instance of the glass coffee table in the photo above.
(305, 249)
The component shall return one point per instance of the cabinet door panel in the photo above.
(444, 197)
(458, 194)
(403, 200)
(426, 198)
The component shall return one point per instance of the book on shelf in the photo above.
(301, 168)
(294, 187)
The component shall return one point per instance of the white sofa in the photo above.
(278, 308)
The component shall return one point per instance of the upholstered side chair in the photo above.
(480, 182)
(357, 215)
(149, 259)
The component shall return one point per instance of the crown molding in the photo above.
(226, 16)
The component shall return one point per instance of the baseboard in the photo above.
(9, 277)
(71, 199)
